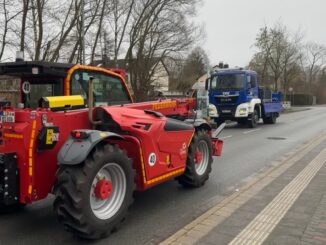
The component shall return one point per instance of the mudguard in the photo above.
(199, 123)
(75, 151)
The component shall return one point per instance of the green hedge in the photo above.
(300, 99)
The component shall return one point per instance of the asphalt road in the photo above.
(159, 212)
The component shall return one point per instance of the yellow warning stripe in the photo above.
(14, 136)
(160, 178)
(30, 156)
(164, 105)
(165, 176)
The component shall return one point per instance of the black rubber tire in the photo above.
(72, 193)
(252, 122)
(190, 178)
(270, 120)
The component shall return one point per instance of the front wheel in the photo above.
(92, 198)
(199, 161)
(253, 119)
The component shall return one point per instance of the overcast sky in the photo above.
(232, 25)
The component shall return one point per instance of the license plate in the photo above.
(7, 116)
(226, 99)
(226, 111)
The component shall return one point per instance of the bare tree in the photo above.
(67, 26)
(278, 55)
(8, 14)
(195, 65)
(23, 24)
(261, 58)
(121, 14)
(315, 57)
(160, 29)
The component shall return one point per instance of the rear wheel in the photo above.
(199, 161)
(92, 198)
(271, 119)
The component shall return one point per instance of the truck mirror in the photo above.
(248, 82)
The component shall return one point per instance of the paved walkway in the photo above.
(285, 204)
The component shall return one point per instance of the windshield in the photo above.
(228, 82)
(108, 90)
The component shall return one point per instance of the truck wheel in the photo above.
(199, 161)
(253, 119)
(92, 198)
(270, 120)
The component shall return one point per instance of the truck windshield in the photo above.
(227, 82)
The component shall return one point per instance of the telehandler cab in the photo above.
(52, 140)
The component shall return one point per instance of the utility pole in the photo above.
(82, 32)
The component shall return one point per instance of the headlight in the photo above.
(212, 111)
(243, 111)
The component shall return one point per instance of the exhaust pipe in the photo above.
(19, 56)
(91, 101)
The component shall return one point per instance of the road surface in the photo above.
(159, 212)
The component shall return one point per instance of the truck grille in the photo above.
(226, 112)
(226, 99)
(9, 179)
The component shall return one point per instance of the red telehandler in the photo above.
(74, 131)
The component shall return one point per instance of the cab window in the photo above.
(108, 90)
(252, 81)
(39, 89)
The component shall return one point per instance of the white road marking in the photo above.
(225, 137)
(251, 131)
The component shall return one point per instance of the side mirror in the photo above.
(207, 84)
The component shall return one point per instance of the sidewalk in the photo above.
(285, 204)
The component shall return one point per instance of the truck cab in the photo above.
(237, 97)
(22, 84)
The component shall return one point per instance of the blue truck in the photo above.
(237, 97)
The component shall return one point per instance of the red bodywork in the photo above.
(37, 169)
(158, 154)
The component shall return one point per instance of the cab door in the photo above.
(109, 88)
